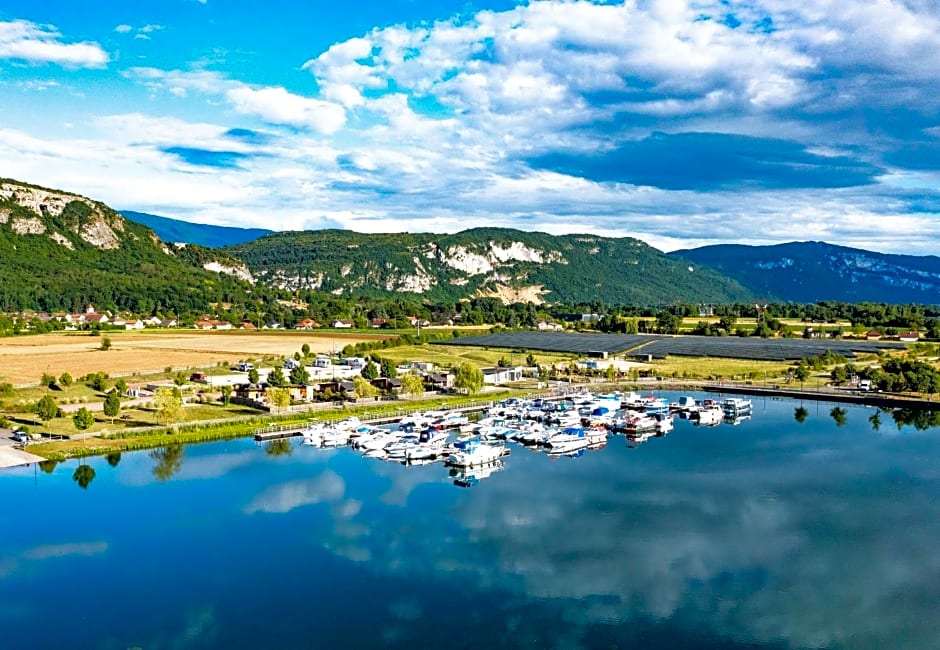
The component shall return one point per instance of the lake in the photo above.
(772, 533)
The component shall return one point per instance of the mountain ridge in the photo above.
(202, 234)
(814, 271)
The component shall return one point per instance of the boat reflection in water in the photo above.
(470, 476)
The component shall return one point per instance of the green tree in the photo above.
(105, 343)
(169, 460)
(802, 372)
(875, 420)
(114, 458)
(530, 359)
(83, 419)
(65, 380)
(411, 384)
(46, 408)
(388, 369)
(121, 386)
(180, 378)
(253, 376)
(226, 395)
(84, 475)
(112, 404)
(299, 375)
(370, 371)
(305, 350)
(48, 466)
(839, 375)
(98, 381)
(468, 377)
(278, 397)
(47, 381)
(276, 377)
(169, 403)
(363, 388)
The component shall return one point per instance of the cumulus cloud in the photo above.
(676, 122)
(27, 41)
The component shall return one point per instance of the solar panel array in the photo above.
(734, 347)
(731, 347)
(555, 341)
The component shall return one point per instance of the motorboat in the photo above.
(470, 476)
(708, 416)
(473, 453)
(566, 441)
(735, 407)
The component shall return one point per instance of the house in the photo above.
(307, 324)
(439, 381)
(247, 325)
(252, 392)
(545, 326)
(873, 335)
(342, 323)
(95, 319)
(134, 325)
(414, 321)
(152, 321)
(378, 323)
(169, 322)
(212, 325)
(118, 321)
(391, 385)
(344, 389)
(495, 376)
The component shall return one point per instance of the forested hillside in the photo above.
(509, 264)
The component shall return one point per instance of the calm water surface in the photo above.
(769, 534)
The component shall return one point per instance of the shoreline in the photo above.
(193, 433)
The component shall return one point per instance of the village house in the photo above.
(496, 376)
(909, 337)
(378, 323)
(342, 323)
(873, 335)
(212, 325)
(307, 324)
(387, 384)
(133, 325)
(439, 381)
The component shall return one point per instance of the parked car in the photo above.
(21, 437)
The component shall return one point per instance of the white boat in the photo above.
(313, 434)
(664, 424)
(735, 407)
(596, 436)
(708, 416)
(567, 441)
(473, 453)
(398, 449)
(470, 476)
(378, 440)
(636, 423)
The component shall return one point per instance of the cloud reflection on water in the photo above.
(834, 544)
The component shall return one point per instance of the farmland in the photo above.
(23, 360)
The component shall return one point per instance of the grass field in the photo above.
(710, 367)
(24, 359)
(454, 355)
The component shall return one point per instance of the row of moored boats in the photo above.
(557, 427)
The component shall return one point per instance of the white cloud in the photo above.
(278, 106)
(123, 29)
(27, 41)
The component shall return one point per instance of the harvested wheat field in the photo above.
(23, 360)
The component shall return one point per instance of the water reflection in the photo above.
(84, 475)
(838, 415)
(800, 414)
(169, 460)
(114, 458)
(769, 534)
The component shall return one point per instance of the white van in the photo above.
(245, 367)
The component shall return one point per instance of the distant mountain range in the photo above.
(59, 250)
(173, 230)
(813, 271)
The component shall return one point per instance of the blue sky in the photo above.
(680, 122)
